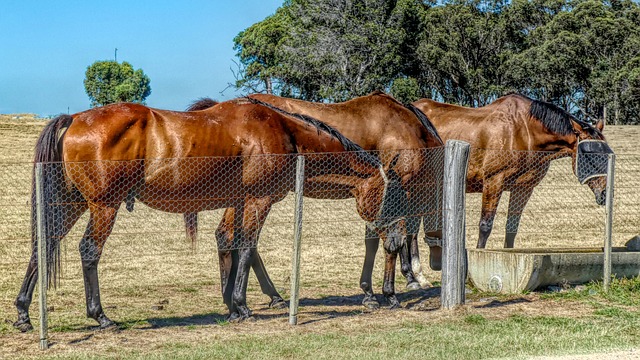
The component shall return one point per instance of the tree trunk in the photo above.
(267, 85)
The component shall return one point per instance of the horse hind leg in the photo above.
(224, 235)
(227, 255)
(98, 230)
(255, 213)
(191, 227)
(70, 214)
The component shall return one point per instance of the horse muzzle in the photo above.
(601, 197)
(394, 241)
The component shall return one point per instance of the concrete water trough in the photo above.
(509, 271)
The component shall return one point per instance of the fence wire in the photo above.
(151, 270)
(539, 196)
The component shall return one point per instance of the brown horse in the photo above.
(375, 122)
(186, 162)
(512, 128)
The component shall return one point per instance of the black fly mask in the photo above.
(591, 159)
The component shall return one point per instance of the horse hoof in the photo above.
(105, 322)
(23, 326)
(234, 318)
(278, 303)
(393, 302)
(109, 327)
(371, 304)
(414, 285)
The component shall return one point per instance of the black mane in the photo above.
(346, 143)
(557, 120)
(201, 104)
(425, 121)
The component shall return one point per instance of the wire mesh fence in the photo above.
(537, 199)
(151, 272)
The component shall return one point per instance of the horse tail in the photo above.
(424, 120)
(48, 153)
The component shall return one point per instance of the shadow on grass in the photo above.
(497, 303)
(407, 299)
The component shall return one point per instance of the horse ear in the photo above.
(600, 125)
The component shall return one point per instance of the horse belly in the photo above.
(190, 185)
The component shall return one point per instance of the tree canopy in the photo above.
(583, 55)
(108, 82)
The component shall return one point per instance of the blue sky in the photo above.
(185, 47)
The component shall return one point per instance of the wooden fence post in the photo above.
(454, 257)
(608, 221)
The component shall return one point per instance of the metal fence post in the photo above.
(297, 236)
(454, 265)
(608, 221)
(42, 256)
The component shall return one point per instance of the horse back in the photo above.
(375, 122)
(502, 135)
(503, 124)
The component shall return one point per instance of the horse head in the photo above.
(382, 201)
(590, 157)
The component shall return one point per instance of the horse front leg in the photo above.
(406, 260)
(518, 199)
(371, 242)
(388, 287)
(490, 199)
(99, 228)
(410, 263)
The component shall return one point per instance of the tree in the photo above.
(405, 89)
(339, 49)
(582, 55)
(461, 50)
(582, 60)
(330, 49)
(108, 82)
(257, 48)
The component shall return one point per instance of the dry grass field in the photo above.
(165, 294)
